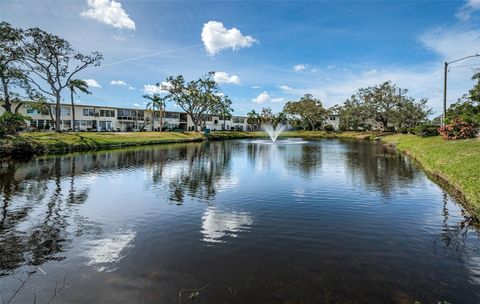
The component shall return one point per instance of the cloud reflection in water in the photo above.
(216, 224)
(104, 252)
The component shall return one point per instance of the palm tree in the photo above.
(156, 102)
(253, 118)
(80, 85)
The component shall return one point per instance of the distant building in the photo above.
(104, 118)
(333, 120)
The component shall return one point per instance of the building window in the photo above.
(67, 124)
(126, 114)
(65, 111)
(88, 112)
(238, 120)
(84, 123)
(172, 115)
(107, 113)
(32, 111)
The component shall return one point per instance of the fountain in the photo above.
(272, 131)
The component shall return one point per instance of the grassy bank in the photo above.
(455, 162)
(49, 142)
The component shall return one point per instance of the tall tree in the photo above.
(309, 109)
(253, 118)
(196, 97)
(352, 114)
(223, 109)
(385, 104)
(380, 101)
(156, 102)
(467, 108)
(81, 86)
(410, 113)
(266, 116)
(52, 63)
(12, 76)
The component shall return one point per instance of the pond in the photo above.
(239, 221)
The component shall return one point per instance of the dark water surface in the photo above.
(316, 222)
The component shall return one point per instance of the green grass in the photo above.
(455, 162)
(84, 141)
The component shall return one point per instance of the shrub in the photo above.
(426, 130)
(329, 128)
(458, 130)
(10, 123)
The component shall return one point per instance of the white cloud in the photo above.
(92, 83)
(256, 87)
(151, 89)
(278, 100)
(137, 105)
(451, 43)
(216, 37)
(467, 9)
(285, 87)
(109, 12)
(425, 81)
(131, 88)
(299, 67)
(223, 77)
(118, 82)
(262, 98)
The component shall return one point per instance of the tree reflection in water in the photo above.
(38, 199)
(35, 212)
(40, 219)
(455, 233)
(197, 171)
(378, 166)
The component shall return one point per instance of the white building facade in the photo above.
(102, 118)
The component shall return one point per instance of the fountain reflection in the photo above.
(219, 224)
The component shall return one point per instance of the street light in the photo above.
(445, 84)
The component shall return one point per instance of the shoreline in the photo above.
(455, 165)
(44, 143)
(454, 168)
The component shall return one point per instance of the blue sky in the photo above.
(265, 53)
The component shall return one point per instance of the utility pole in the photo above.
(444, 117)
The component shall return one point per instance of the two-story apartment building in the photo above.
(104, 118)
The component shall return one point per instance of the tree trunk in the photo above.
(57, 113)
(18, 107)
(73, 110)
(161, 117)
(153, 118)
(6, 103)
